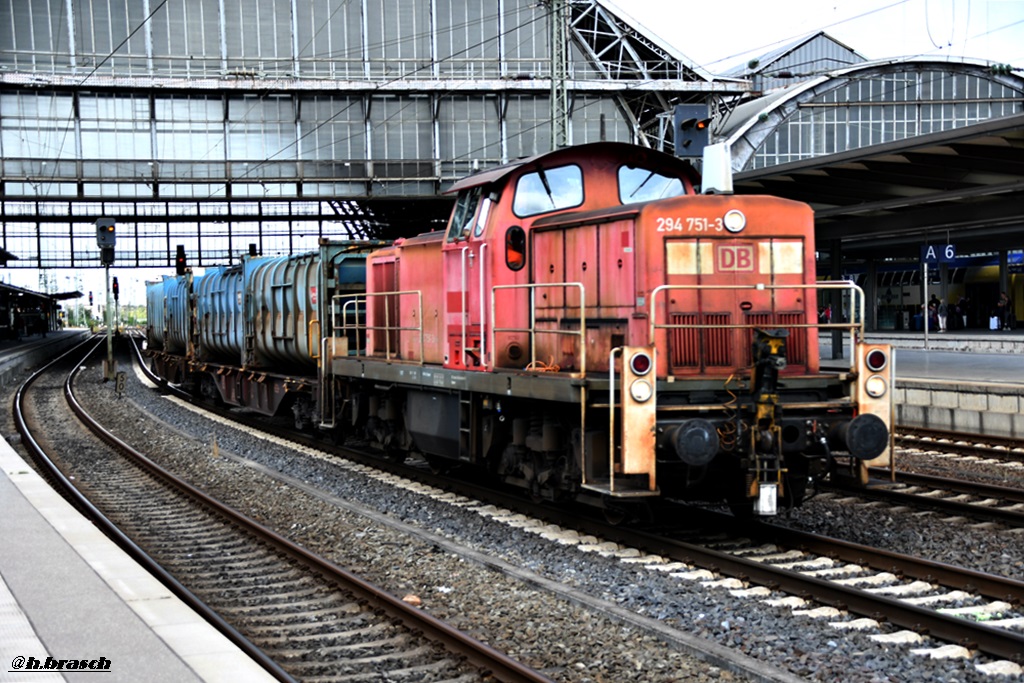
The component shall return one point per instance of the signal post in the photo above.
(105, 239)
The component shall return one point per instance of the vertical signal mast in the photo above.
(559, 75)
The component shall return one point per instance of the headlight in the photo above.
(641, 390)
(875, 386)
(735, 220)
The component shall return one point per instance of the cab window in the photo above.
(549, 189)
(485, 210)
(462, 216)
(637, 184)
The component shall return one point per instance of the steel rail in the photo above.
(1007, 493)
(83, 505)
(981, 445)
(997, 642)
(993, 641)
(884, 492)
(500, 665)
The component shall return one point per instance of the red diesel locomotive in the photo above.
(589, 327)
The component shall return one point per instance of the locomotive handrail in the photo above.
(468, 253)
(355, 299)
(855, 326)
(532, 329)
(483, 309)
(611, 419)
(462, 260)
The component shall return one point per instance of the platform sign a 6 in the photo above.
(938, 253)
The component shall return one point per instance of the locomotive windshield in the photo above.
(548, 190)
(465, 210)
(641, 185)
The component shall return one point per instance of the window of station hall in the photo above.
(879, 108)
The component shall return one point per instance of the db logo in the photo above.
(735, 258)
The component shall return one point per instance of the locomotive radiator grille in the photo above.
(697, 347)
(796, 344)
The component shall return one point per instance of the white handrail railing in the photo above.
(350, 309)
(532, 329)
(855, 326)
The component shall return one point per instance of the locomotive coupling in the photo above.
(865, 436)
(769, 355)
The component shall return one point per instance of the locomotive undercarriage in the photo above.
(710, 445)
(729, 454)
(538, 446)
(527, 445)
(715, 440)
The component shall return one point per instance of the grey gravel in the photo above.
(551, 633)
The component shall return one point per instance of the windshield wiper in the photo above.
(547, 187)
(641, 185)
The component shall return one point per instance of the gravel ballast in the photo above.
(500, 601)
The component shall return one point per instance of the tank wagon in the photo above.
(587, 327)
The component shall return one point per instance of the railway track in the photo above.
(961, 443)
(302, 617)
(913, 594)
(943, 494)
(849, 582)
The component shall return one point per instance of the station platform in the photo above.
(67, 592)
(969, 381)
(980, 356)
(18, 355)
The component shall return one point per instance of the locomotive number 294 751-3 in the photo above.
(688, 224)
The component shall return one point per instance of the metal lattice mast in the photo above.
(559, 76)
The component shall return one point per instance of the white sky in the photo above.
(720, 34)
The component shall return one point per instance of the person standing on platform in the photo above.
(1007, 317)
(943, 312)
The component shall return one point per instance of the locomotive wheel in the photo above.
(206, 389)
(395, 455)
(438, 465)
(614, 515)
(741, 507)
(536, 495)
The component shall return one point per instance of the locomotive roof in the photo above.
(620, 149)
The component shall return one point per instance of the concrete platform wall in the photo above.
(977, 408)
(995, 342)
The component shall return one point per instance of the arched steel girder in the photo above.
(621, 51)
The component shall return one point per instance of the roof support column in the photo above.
(1004, 270)
(871, 295)
(836, 298)
(944, 282)
(559, 76)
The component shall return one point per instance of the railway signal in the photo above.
(693, 126)
(180, 264)
(106, 238)
(106, 235)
